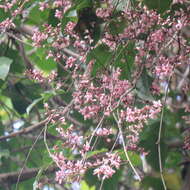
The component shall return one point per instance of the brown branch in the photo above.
(175, 144)
(186, 185)
(30, 31)
(35, 126)
(27, 62)
(74, 121)
(25, 130)
(11, 177)
(60, 102)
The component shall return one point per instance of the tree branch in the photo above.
(29, 31)
(11, 177)
(25, 130)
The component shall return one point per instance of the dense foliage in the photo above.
(94, 94)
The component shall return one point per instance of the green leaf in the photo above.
(135, 158)
(5, 63)
(101, 55)
(4, 153)
(124, 59)
(143, 86)
(152, 182)
(3, 14)
(148, 141)
(92, 153)
(159, 5)
(72, 13)
(17, 65)
(81, 4)
(52, 20)
(48, 94)
(22, 94)
(43, 63)
(84, 186)
(47, 160)
(29, 108)
(37, 17)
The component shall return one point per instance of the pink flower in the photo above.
(6, 24)
(43, 6)
(70, 62)
(157, 36)
(38, 37)
(104, 171)
(103, 132)
(58, 14)
(70, 27)
(104, 12)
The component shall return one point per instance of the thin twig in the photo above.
(93, 134)
(102, 181)
(101, 185)
(45, 141)
(124, 147)
(20, 173)
(181, 82)
(18, 39)
(114, 143)
(159, 135)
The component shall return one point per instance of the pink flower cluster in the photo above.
(104, 12)
(57, 44)
(105, 170)
(187, 143)
(70, 62)
(72, 139)
(156, 39)
(37, 75)
(133, 137)
(136, 119)
(103, 132)
(8, 5)
(141, 115)
(70, 27)
(6, 24)
(140, 22)
(91, 100)
(63, 4)
(109, 41)
(38, 37)
(165, 68)
(43, 6)
(59, 14)
(72, 170)
(69, 170)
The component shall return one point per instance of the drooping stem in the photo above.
(124, 147)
